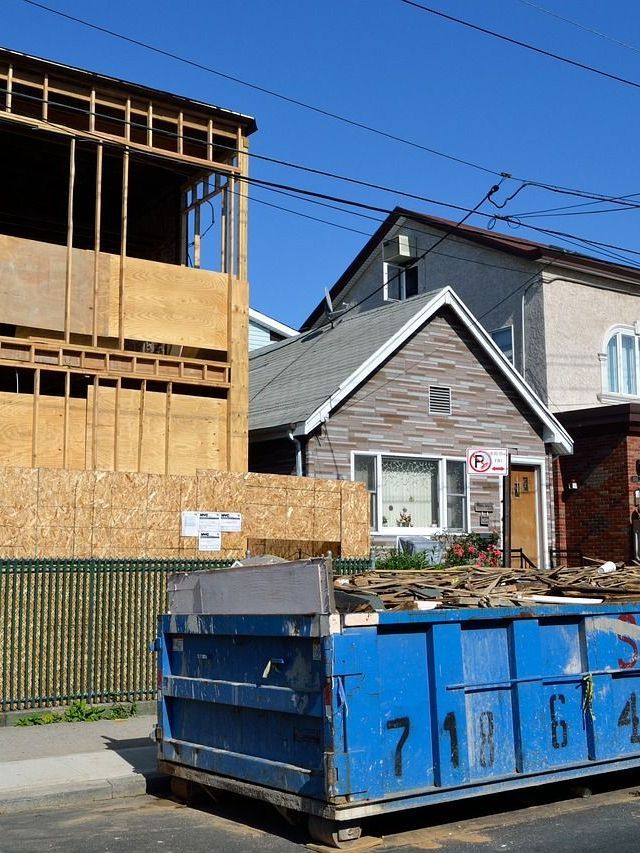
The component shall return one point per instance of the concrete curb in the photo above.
(83, 793)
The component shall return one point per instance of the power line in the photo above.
(274, 186)
(272, 93)
(551, 187)
(580, 26)
(518, 43)
(453, 227)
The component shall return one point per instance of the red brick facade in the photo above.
(595, 518)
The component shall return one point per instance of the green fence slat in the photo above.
(81, 628)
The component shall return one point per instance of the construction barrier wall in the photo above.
(104, 514)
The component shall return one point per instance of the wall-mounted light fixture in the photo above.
(572, 486)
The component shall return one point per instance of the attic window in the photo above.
(439, 400)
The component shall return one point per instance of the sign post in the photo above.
(495, 462)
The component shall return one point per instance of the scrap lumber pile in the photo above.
(473, 586)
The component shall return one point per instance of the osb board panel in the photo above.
(46, 513)
(197, 431)
(16, 430)
(198, 434)
(172, 304)
(32, 286)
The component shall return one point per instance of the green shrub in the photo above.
(44, 718)
(81, 712)
(395, 560)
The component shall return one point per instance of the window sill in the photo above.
(610, 397)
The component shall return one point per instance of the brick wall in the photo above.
(595, 518)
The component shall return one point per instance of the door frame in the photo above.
(540, 463)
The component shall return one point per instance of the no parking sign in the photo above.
(488, 461)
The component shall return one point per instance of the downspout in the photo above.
(298, 445)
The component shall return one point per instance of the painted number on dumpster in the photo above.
(405, 724)
(559, 727)
(450, 727)
(629, 717)
(487, 745)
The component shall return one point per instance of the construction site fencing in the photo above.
(81, 629)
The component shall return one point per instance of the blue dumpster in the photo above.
(346, 716)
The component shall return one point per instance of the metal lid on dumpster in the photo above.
(300, 587)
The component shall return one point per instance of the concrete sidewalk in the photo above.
(44, 766)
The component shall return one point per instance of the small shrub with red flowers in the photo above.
(472, 550)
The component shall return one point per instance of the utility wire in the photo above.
(512, 221)
(272, 93)
(551, 187)
(580, 26)
(472, 210)
(327, 113)
(518, 43)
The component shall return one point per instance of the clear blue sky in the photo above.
(397, 68)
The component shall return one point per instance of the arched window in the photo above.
(622, 364)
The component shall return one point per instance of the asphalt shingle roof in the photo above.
(290, 379)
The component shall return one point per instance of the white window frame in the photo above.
(441, 527)
(617, 332)
(504, 329)
(402, 288)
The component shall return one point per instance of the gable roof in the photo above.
(517, 246)
(298, 382)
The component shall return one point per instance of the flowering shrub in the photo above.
(472, 549)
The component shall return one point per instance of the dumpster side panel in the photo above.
(241, 705)
(427, 705)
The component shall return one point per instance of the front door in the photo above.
(525, 508)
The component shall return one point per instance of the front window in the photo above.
(364, 471)
(400, 282)
(622, 364)
(417, 492)
(409, 492)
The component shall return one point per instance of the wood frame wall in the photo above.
(137, 122)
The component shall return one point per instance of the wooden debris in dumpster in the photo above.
(475, 586)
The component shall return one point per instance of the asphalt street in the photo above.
(547, 820)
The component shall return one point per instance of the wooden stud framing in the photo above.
(34, 424)
(150, 125)
(210, 140)
(127, 120)
(94, 430)
(123, 244)
(67, 283)
(196, 229)
(96, 245)
(92, 111)
(65, 421)
(45, 98)
(243, 207)
(180, 132)
(224, 228)
(116, 431)
(143, 389)
(167, 429)
(9, 89)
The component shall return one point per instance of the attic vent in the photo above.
(439, 400)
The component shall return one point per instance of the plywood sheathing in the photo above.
(55, 513)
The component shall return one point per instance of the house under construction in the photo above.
(123, 275)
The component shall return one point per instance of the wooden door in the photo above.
(525, 509)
